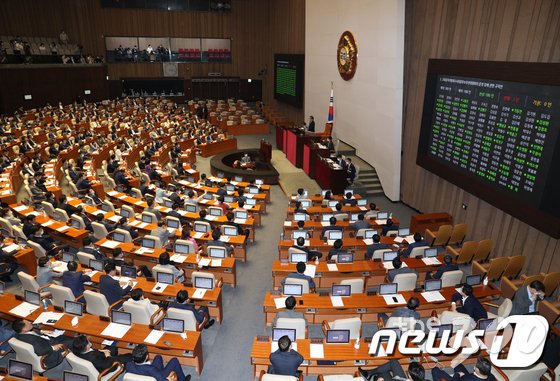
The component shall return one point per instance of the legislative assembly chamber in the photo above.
(280, 190)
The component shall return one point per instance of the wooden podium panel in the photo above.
(420, 222)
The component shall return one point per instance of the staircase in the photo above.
(368, 183)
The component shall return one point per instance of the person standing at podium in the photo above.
(311, 126)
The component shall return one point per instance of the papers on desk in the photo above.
(310, 270)
(98, 212)
(110, 244)
(116, 330)
(63, 228)
(433, 296)
(332, 266)
(134, 223)
(59, 266)
(204, 261)
(159, 287)
(337, 301)
(216, 263)
(177, 258)
(389, 265)
(115, 218)
(142, 225)
(33, 213)
(20, 208)
(154, 336)
(46, 316)
(198, 235)
(140, 202)
(144, 250)
(287, 223)
(247, 207)
(330, 242)
(90, 273)
(368, 241)
(199, 293)
(381, 222)
(122, 197)
(211, 218)
(431, 261)
(48, 223)
(398, 239)
(394, 299)
(316, 351)
(274, 346)
(182, 212)
(12, 247)
(362, 208)
(409, 239)
(24, 309)
(240, 220)
(224, 238)
(280, 302)
(325, 223)
(249, 195)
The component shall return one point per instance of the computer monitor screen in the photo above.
(217, 252)
(382, 215)
(238, 179)
(121, 317)
(341, 290)
(324, 192)
(181, 248)
(173, 325)
(67, 257)
(164, 278)
(208, 196)
(404, 231)
(338, 336)
(20, 369)
(72, 376)
(168, 203)
(173, 223)
(277, 333)
(362, 202)
(73, 308)
(345, 258)
(299, 233)
(259, 181)
(298, 257)
(300, 216)
(369, 233)
(388, 288)
(241, 215)
(326, 217)
(228, 199)
(292, 289)
(432, 285)
(332, 203)
(354, 217)
(96, 264)
(200, 228)
(230, 231)
(125, 213)
(251, 202)
(190, 208)
(203, 282)
(351, 191)
(253, 190)
(335, 234)
(105, 207)
(386, 338)
(32, 297)
(75, 223)
(430, 252)
(230, 188)
(305, 203)
(220, 174)
(388, 256)
(148, 243)
(147, 218)
(90, 201)
(442, 328)
(215, 211)
(128, 271)
(119, 237)
(487, 324)
(474, 280)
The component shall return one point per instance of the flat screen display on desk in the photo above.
(289, 78)
(492, 128)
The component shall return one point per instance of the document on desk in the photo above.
(142, 225)
(224, 238)
(310, 270)
(287, 223)
(144, 250)
(199, 293)
(12, 247)
(122, 196)
(368, 241)
(116, 330)
(24, 309)
(159, 287)
(389, 265)
(60, 267)
(398, 239)
(433, 296)
(112, 193)
(316, 351)
(177, 258)
(204, 261)
(240, 220)
(381, 222)
(332, 266)
(154, 336)
(98, 212)
(48, 223)
(110, 244)
(409, 239)
(325, 223)
(394, 299)
(216, 263)
(90, 273)
(134, 223)
(198, 235)
(46, 316)
(337, 301)
(139, 203)
(63, 228)
(280, 302)
(20, 208)
(431, 261)
(115, 218)
(211, 218)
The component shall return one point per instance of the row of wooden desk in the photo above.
(214, 148)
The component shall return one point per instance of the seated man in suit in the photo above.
(182, 302)
(121, 179)
(398, 269)
(142, 365)
(300, 245)
(418, 242)
(349, 199)
(109, 226)
(336, 250)
(404, 312)
(332, 226)
(175, 213)
(215, 241)
(482, 372)
(300, 267)
(470, 304)
(123, 224)
(101, 359)
(289, 312)
(231, 222)
(301, 194)
(151, 209)
(394, 371)
(163, 233)
(164, 261)
(137, 298)
(43, 345)
(64, 205)
(299, 209)
(285, 361)
(74, 280)
(526, 298)
(360, 224)
(377, 245)
(90, 248)
(45, 241)
(448, 265)
(388, 227)
(111, 287)
(350, 170)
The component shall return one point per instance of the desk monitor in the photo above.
(168, 203)
(165, 278)
(442, 328)
(217, 252)
(487, 324)
(404, 232)
(75, 223)
(73, 308)
(121, 317)
(386, 338)
(32, 297)
(369, 233)
(215, 211)
(128, 271)
(200, 227)
(341, 290)
(173, 223)
(229, 199)
(220, 174)
(338, 336)
(19, 369)
(324, 192)
(292, 289)
(90, 201)
(203, 282)
(430, 252)
(382, 215)
(305, 203)
(354, 217)
(181, 248)
(277, 333)
(345, 258)
(253, 190)
(149, 243)
(119, 237)
(208, 196)
(332, 203)
(241, 215)
(351, 191)
(251, 201)
(474, 280)
(96, 264)
(230, 231)
(230, 188)
(334, 234)
(173, 325)
(362, 202)
(299, 233)
(238, 179)
(388, 256)
(105, 207)
(300, 216)
(125, 213)
(388, 288)
(68, 257)
(259, 181)
(432, 285)
(147, 218)
(298, 257)
(72, 376)
(190, 208)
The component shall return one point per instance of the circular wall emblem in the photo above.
(347, 55)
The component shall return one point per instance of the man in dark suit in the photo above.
(329, 143)
(404, 312)
(215, 241)
(200, 313)
(471, 305)
(448, 265)
(418, 242)
(101, 359)
(43, 345)
(285, 361)
(123, 224)
(388, 227)
(360, 224)
(151, 209)
(332, 226)
(300, 268)
(141, 365)
(398, 269)
(174, 213)
(109, 226)
(377, 245)
(526, 298)
(300, 245)
(91, 249)
(44, 240)
(482, 372)
(351, 170)
(311, 125)
(337, 249)
(120, 179)
(64, 205)
(393, 371)
(111, 288)
(348, 200)
(74, 280)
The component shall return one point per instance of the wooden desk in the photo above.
(420, 222)
(247, 129)
(211, 149)
(355, 245)
(26, 258)
(315, 228)
(328, 177)
(311, 151)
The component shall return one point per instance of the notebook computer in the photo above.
(180, 248)
(173, 325)
(292, 289)
(203, 282)
(148, 243)
(474, 280)
(68, 257)
(334, 234)
(345, 258)
(277, 333)
(96, 264)
(128, 271)
(382, 215)
(241, 215)
(388, 256)
(32, 297)
(119, 237)
(200, 228)
(299, 233)
(73, 308)
(72, 376)
(20, 370)
(341, 290)
(230, 231)
(430, 252)
(217, 252)
(338, 336)
(300, 216)
(441, 329)
(388, 289)
(172, 223)
(404, 232)
(298, 257)
(121, 317)
(164, 278)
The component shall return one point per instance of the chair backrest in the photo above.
(514, 266)
(139, 313)
(303, 282)
(215, 211)
(60, 215)
(458, 234)
(406, 282)
(125, 233)
(80, 220)
(459, 320)
(404, 323)
(483, 250)
(341, 216)
(497, 267)
(378, 254)
(532, 373)
(60, 294)
(109, 205)
(276, 377)
(96, 303)
(451, 278)
(37, 249)
(202, 274)
(136, 193)
(298, 324)
(6, 225)
(84, 258)
(99, 230)
(443, 235)
(505, 308)
(157, 241)
(129, 209)
(418, 251)
(467, 252)
(530, 279)
(28, 282)
(82, 366)
(26, 353)
(186, 316)
(551, 282)
(356, 285)
(18, 232)
(353, 324)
